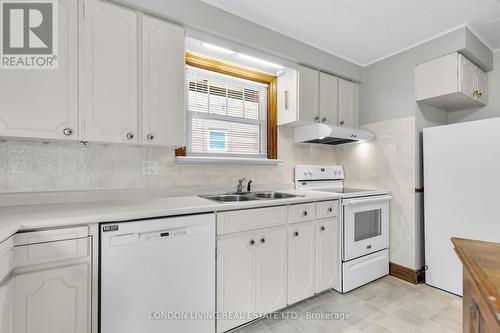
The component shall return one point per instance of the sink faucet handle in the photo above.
(249, 186)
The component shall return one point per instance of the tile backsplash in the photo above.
(389, 162)
(34, 166)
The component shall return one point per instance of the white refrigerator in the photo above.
(462, 194)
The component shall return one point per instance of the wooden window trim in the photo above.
(218, 66)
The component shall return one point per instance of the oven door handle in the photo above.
(349, 202)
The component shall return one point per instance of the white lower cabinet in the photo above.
(327, 254)
(235, 279)
(251, 275)
(45, 282)
(271, 271)
(268, 258)
(301, 253)
(7, 306)
(53, 300)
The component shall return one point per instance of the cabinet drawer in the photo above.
(52, 251)
(6, 257)
(242, 220)
(327, 209)
(31, 237)
(301, 213)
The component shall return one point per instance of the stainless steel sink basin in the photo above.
(274, 195)
(234, 197)
(229, 197)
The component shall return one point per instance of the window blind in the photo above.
(227, 116)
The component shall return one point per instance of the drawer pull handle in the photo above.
(67, 131)
(330, 209)
(252, 242)
(368, 247)
(130, 135)
(263, 240)
(296, 234)
(304, 213)
(322, 228)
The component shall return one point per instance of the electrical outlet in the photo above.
(149, 167)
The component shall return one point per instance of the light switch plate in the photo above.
(149, 168)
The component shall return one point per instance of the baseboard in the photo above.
(407, 274)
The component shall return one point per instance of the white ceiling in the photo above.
(364, 31)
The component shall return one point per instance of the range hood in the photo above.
(330, 135)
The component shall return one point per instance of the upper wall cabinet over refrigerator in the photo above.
(43, 103)
(451, 82)
(109, 73)
(307, 96)
(162, 116)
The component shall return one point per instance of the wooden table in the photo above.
(481, 302)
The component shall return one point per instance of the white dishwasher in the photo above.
(158, 275)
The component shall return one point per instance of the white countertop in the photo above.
(16, 218)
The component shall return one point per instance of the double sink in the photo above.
(248, 196)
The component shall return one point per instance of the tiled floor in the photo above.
(386, 305)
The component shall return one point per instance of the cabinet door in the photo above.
(109, 73)
(43, 103)
(328, 89)
(163, 116)
(271, 271)
(481, 85)
(308, 86)
(287, 97)
(7, 306)
(327, 254)
(466, 74)
(235, 279)
(53, 301)
(301, 262)
(348, 104)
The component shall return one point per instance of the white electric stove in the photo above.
(363, 227)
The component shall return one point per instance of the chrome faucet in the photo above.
(239, 187)
(249, 186)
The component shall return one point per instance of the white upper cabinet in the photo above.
(348, 97)
(43, 103)
(307, 96)
(109, 73)
(328, 97)
(162, 114)
(451, 82)
(287, 97)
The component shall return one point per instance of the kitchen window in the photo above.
(231, 111)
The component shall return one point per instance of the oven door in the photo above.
(366, 225)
